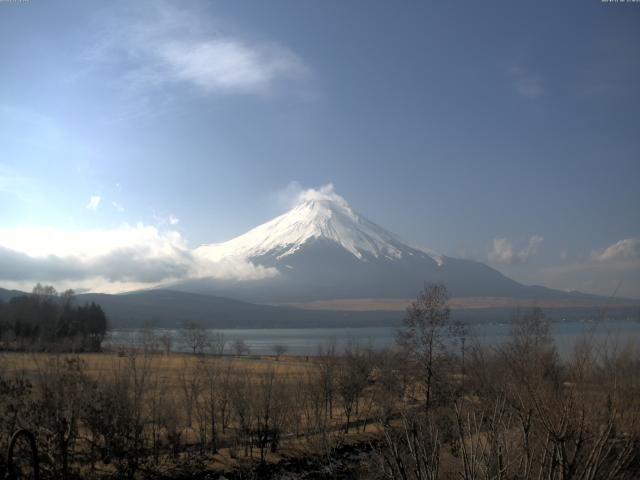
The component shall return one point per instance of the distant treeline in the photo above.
(46, 318)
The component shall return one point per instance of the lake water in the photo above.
(305, 341)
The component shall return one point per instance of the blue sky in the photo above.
(505, 132)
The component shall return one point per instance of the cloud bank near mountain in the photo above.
(111, 260)
(624, 250)
(504, 250)
(294, 194)
(142, 256)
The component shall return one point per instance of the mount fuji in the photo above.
(323, 250)
(321, 264)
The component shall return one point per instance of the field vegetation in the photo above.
(436, 406)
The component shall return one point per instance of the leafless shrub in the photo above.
(17, 407)
(57, 410)
(148, 340)
(195, 337)
(190, 382)
(240, 347)
(270, 409)
(411, 450)
(279, 350)
(353, 377)
(166, 341)
(327, 364)
(217, 343)
(242, 409)
(114, 414)
(427, 327)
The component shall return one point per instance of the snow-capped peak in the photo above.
(318, 214)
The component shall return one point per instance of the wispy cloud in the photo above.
(621, 251)
(504, 250)
(621, 256)
(166, 45)
(164, 220)
(118, 206)
(227, 64)
(612, 268)
(94, 201)
(525, 83)
(294, 193)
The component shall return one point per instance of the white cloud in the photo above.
(532, 247)
(227, 64)
(615, 268)
(109, 260)
(294, 194)
(167, 44)
(621, 251)
(94, 201)
(504, 251)
(44, 241)
(165, 220)
(325, 192)
(525, 83)
(118, 206)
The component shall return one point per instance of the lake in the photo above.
(305, 341)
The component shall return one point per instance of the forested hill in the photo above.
(44, 318)
(172, 309)
(168, 308)
(6, 295)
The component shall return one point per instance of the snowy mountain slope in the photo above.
(321, 249)
(329, 219)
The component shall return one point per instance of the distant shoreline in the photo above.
(455, 303)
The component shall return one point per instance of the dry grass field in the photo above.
(194, 411)
(401, 304)
(168, 367)
(417, 412)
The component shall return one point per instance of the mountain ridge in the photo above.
(162, 308)
(321, 249)
(331, 219)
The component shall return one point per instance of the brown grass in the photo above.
(168, 368)
(400, 304)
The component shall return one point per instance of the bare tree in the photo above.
(426, 327)
(327, 361)
(242, 403)
(241, 347)
(190, 386)
(279, 349)
(411, 451)
(269, 408)
(353, 376)
(212, 375)
(60, 383)
(166, 340)
(217, 343)
(148, 339)
(195, 337)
